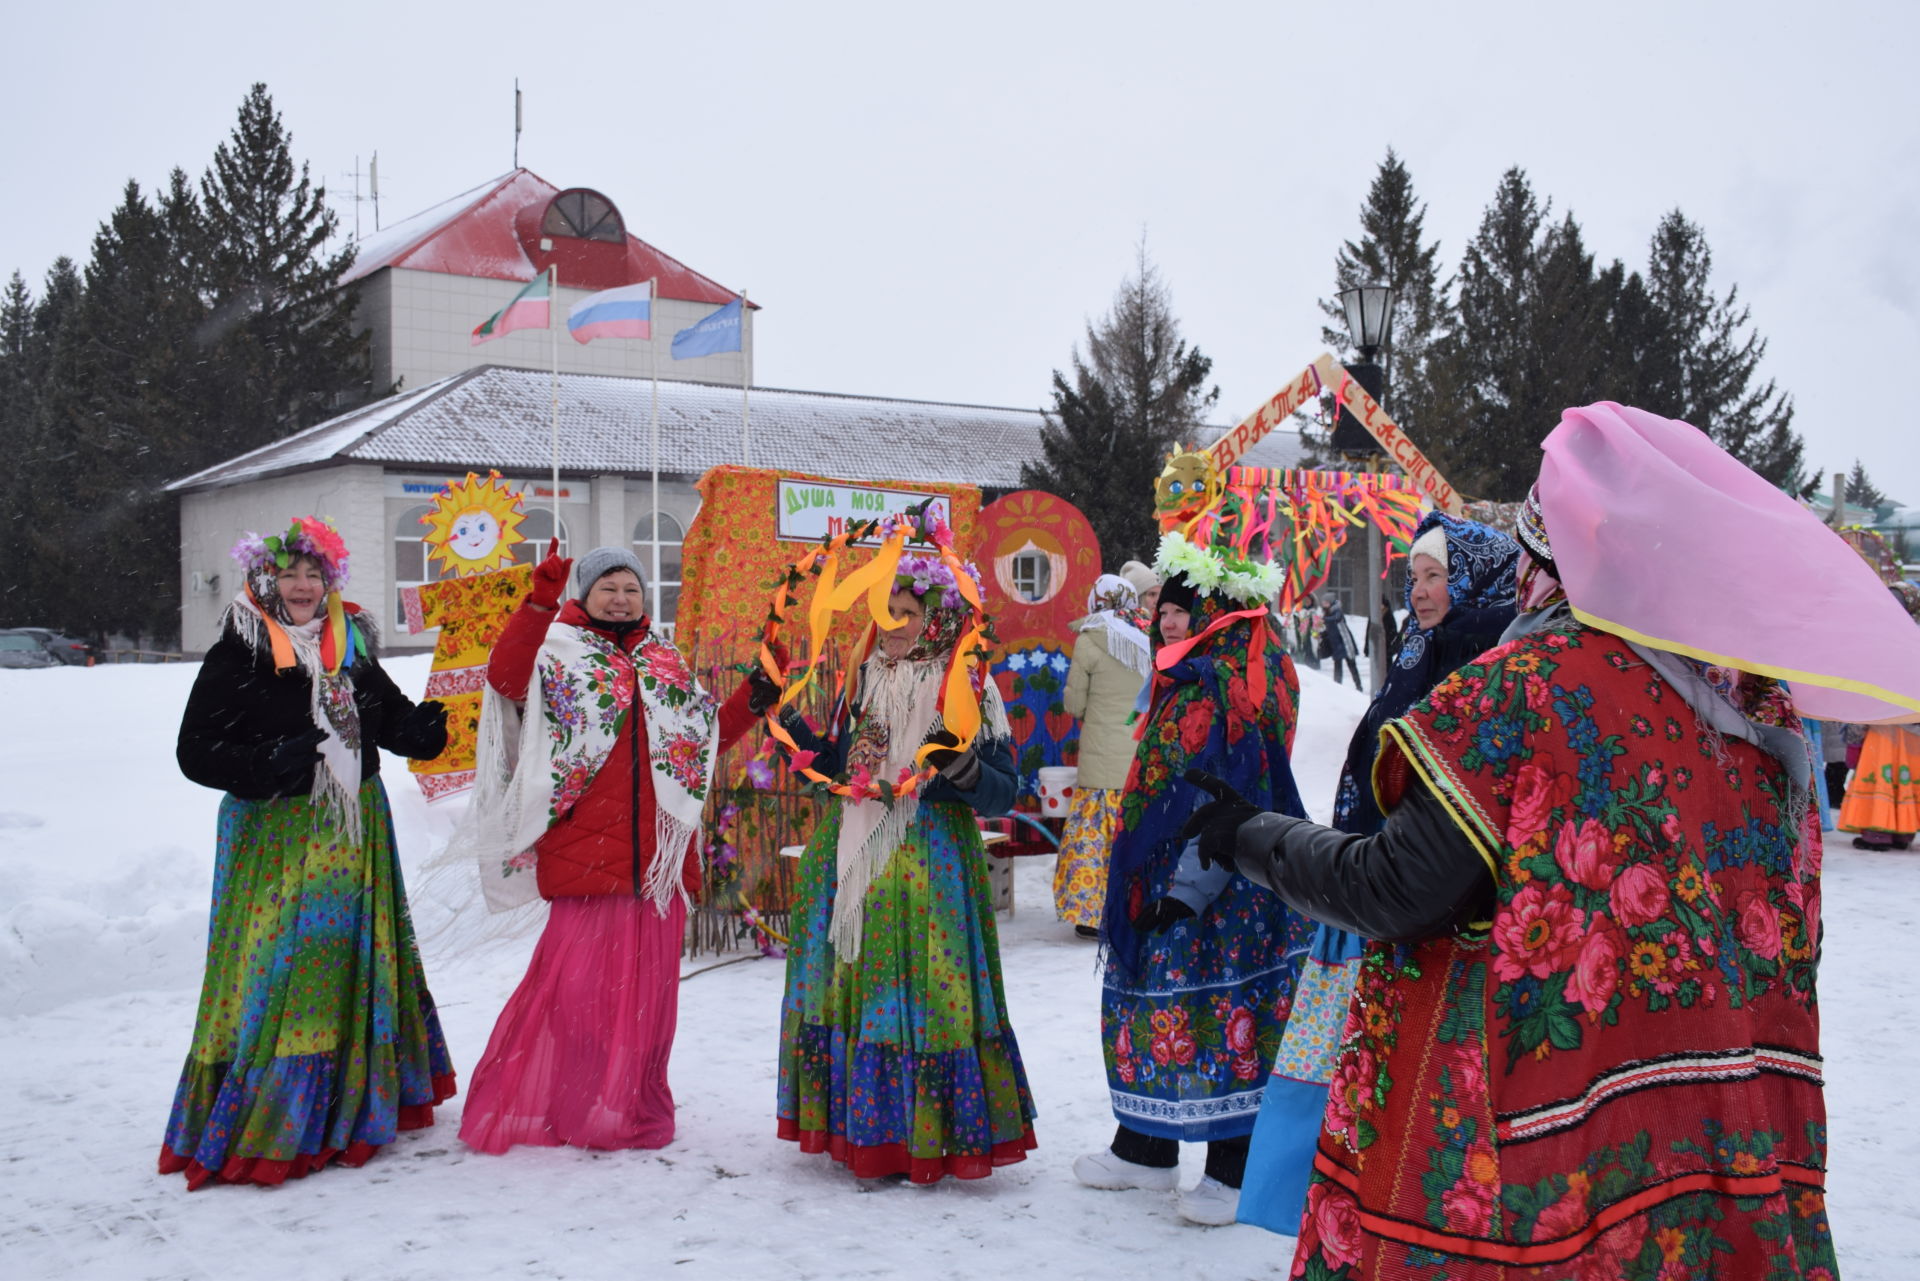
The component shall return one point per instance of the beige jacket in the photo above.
(1100, 691)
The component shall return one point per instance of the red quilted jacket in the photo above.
(608, 836)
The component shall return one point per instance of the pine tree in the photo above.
(289, 350)
(1139, 391)
(1861, 491)
(1392, 251)
(18, 406)
(1490, 351)
(1719, 357)
(114, 393)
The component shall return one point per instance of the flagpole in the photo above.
(746, 366)
(653, 368)
(553, 334)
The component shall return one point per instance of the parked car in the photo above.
(74, 653)
(18, 649)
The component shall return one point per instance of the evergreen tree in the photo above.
(1139, 391)
(114, 394)
(288, 349)
(1392, 251)
(1492, 357)
(1719, 355)
(1860, 489)
(18, 406)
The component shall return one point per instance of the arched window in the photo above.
(1032, 576)
(411, 565)
(537, 528)
(666, 584)
(584, 215)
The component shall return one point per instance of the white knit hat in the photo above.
(1432, 544)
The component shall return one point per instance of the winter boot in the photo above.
(1105, 1170)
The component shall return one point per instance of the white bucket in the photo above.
(1056, 789)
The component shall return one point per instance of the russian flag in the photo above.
(531, 308)
(626, 312)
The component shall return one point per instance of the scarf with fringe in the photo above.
(1113, 607)
(299, 646)
(896, 712)
(534, 766)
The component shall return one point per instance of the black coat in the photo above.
(240, 708)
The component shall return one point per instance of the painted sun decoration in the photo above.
(474, 525)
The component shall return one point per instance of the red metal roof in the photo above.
(492, 232)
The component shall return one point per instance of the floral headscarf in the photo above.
(262, 559)
(1113, 607)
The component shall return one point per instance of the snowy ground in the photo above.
(105, 856)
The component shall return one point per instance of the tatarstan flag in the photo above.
(531, 308)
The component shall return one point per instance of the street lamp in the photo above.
(1369, 317)
(1369, 311)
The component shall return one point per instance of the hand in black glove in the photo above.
(948, 750)
(1218, 821)
(426, 730)
(961, 766)
(294, 756)
(1161, 914)
(762, 693)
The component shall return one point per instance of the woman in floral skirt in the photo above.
(897, 1056)
(1110, 662)
(316, 1038)
(1199, 972)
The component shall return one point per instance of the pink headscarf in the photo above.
(1661, 537)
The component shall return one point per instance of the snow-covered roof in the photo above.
(1279, 449)
(486, 232)
(500, 418)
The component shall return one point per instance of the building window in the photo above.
(665, 584)
(584, 215)
(1032, 575)
(536, 527)
(411, 565)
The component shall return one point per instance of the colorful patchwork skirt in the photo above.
(1080, 874)
(1884, 794)
(1287, 1132)
(903, 1061)
(316, 1037)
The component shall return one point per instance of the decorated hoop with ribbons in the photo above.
(874, 583)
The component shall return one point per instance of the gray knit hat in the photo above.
(600, 562)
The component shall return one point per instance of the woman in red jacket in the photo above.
(596, 749)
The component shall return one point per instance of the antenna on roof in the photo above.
(516, 122)
(373, 184)
(355, 174)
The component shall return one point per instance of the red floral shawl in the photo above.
(1623, 1071)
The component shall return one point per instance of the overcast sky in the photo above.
(931, 201)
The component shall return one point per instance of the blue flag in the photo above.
(716, 333)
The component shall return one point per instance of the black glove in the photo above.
(961, 766)
(425, 732)
(293, 757)
(762, 693)
(1218, 821)
(948, 750)
(1160, 915)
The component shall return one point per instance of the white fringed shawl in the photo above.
(583, 690)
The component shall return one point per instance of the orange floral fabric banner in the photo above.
(732, 557)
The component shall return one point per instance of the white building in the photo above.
(424, 285)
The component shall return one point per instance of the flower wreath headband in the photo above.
(891, 569)
(1216, 571)
(312, 536)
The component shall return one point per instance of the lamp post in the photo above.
(1369, 311)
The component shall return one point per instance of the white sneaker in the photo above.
(1105, 1170)
(1210, 1202)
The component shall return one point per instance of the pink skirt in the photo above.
(579, 1055)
